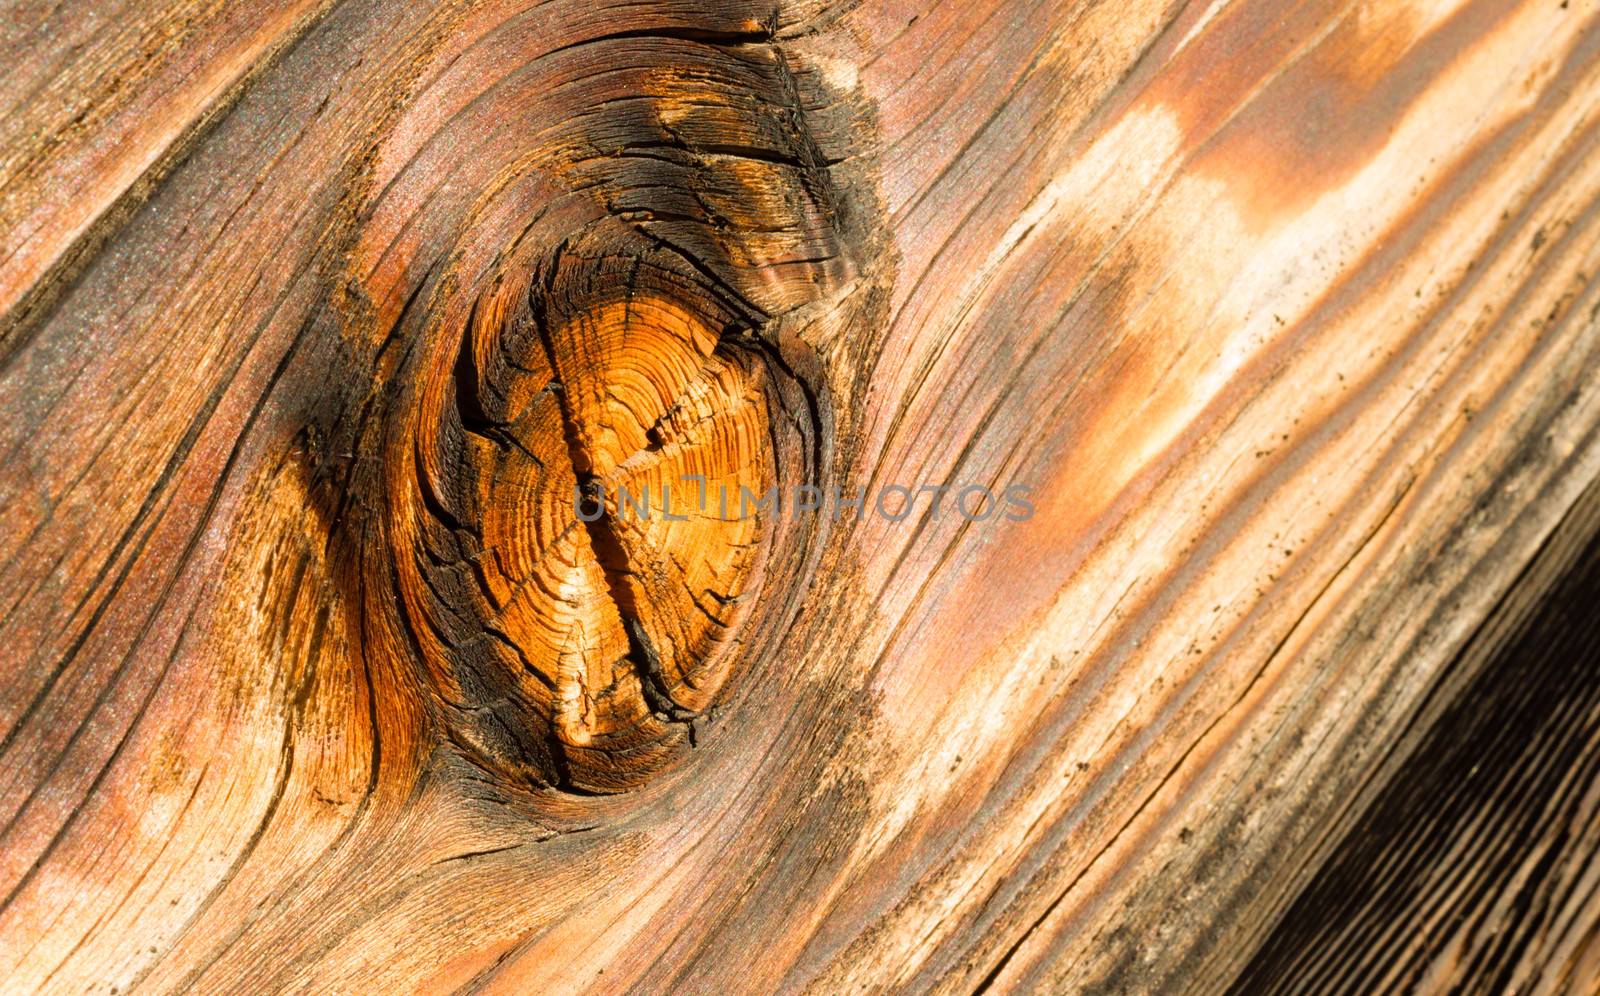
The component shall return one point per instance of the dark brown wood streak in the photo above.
(338, 337)
(1473, 867)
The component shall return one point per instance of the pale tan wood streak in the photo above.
(1285, 312)
(96, 105)
(1283, 393)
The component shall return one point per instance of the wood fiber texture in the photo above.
(319, 320)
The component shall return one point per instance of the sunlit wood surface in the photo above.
(313, 315)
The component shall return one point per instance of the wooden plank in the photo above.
(1473, 865)
(1282, 315)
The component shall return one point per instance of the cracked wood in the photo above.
(314, 315)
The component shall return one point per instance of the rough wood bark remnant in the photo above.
(337, 337)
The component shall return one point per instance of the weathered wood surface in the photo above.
(1473, 868)
(1285, 312)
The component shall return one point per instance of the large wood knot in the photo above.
(617, 321)
(587, 519)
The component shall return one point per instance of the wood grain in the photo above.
(1283, 314)
(1473, 866)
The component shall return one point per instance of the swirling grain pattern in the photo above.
(321, 321)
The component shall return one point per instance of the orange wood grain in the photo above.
(1285, 314)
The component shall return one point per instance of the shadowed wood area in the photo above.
(1481, 846)
(798, 495)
